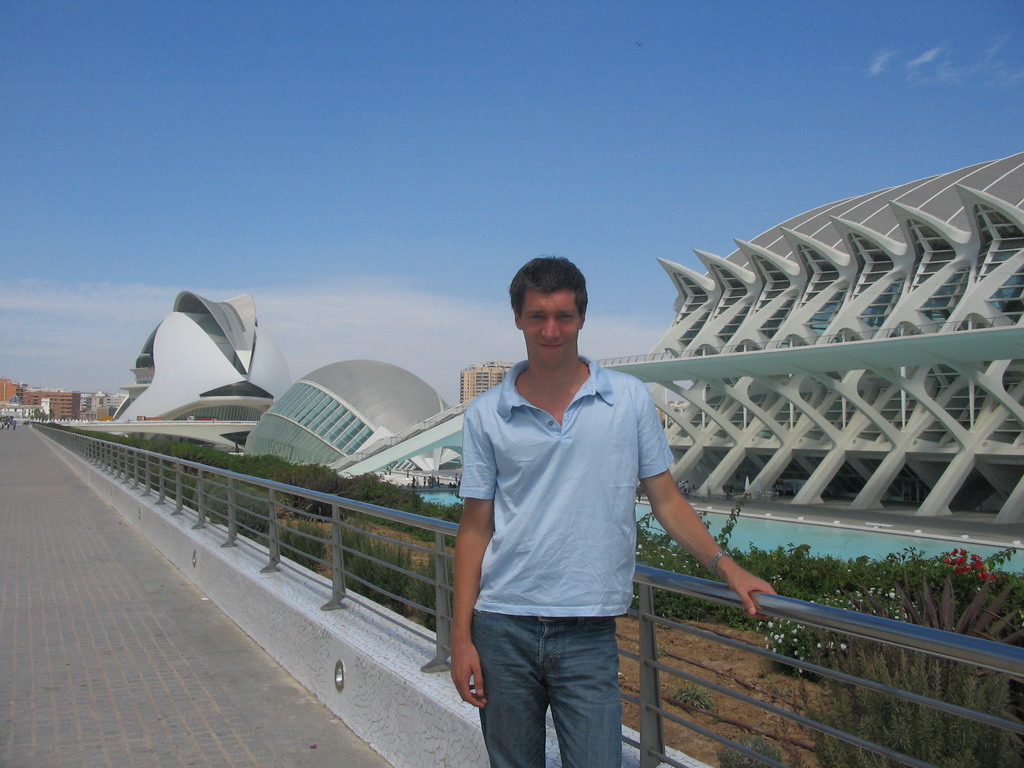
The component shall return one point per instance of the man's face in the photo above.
(551, 324)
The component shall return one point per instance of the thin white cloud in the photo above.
(880, 63)
(996, 69)
(76, 336)
(925, 58)
(994, 66)
(993, 50)
(86, 336)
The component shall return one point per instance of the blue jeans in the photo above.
(571, 665)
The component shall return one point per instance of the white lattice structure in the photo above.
(869, 350)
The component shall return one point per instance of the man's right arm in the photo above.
(475, 530)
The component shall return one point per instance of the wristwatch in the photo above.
(713, 565)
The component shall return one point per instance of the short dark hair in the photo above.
(548, 274)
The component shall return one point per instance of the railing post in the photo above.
(162, 482)
(337, 562)
(652, 729)
(273, 534)
(179, 502)
(232, 516)
(442, 610)
(200, 501)
(134, 467)
(146, 473)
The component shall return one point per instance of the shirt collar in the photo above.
(598, 383)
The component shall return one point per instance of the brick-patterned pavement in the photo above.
(111, 658)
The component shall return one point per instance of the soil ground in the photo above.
(735, 669)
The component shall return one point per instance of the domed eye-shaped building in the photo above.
(206, 360)
(870, 351)
(341, 408)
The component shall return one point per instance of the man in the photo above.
(545, 552)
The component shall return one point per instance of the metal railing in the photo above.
(340, 544)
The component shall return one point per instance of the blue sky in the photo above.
(373, 173)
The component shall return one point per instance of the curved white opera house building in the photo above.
(206, 360)
(342, 408)
(868, 352)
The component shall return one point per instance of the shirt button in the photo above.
(551, 423)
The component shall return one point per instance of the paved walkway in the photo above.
(110, 658)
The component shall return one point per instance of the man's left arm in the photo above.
(683, 524)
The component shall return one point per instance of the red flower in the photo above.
(963, 561)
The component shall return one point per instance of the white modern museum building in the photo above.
(870, 351)
(206, 360)
(331, 413)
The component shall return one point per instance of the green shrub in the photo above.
(942, 594)
(730, 757)
(382, 563)
(696, 696)
(304, 540)
(921, 732)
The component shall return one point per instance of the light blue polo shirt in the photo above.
(564, 494)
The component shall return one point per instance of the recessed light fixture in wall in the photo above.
(339, 675)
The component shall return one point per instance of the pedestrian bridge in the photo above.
(114, 657)
(112, 621)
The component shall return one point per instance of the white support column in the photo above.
(870, 496)
(937, 501)
(1013, 510)
(811, 491)
(780, 459)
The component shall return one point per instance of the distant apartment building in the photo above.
(8, 390)
(480, 378)
(100, 406)
(59, 404)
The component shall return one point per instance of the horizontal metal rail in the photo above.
(348, 545)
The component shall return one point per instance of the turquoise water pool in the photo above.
(847, 542)
(838, 540)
